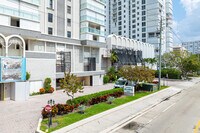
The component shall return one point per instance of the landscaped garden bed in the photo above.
(69, 113)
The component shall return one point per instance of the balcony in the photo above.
(92, 19)
(19, 13)
(92, 30)
(93, 8)
(102, 1)
(34, 2)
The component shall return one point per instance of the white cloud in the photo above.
(189, 28)
(190, 5)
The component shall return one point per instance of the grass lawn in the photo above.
(68, 119)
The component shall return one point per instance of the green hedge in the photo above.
(172, 73)
(85, 99)
(106, 79)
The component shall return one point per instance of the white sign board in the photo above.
(129, 90)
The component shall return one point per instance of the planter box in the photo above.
(149, 87)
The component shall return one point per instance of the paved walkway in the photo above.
(107, 121)
(22, 117)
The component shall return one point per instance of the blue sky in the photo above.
(186, 20)
(179, 11)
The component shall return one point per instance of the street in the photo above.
(179, 114)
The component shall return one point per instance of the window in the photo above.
(143, 7)
(143, 2)
(15, 22)
(51, 4)
(143, 23)
(68, 22)
(143, 34)
(143, 13)
(143, 40)
(50, 17)
(69, 34)
(69, 9)
(50, 30)
(120, 33)
(151, 35)
(143, 18)
(143, 29)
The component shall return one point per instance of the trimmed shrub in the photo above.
(28, 75)
(172, 73)
(106, 79)
(47, 84)
(42, 91)
(112, 74)
(96, 97)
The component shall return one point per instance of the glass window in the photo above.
(69, 34)
(50, 47)
(50, 30)
(69, 9)
(50, 17)
(68, 22)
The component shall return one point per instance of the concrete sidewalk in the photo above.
(107, 121)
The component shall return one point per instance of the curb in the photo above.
(128, 119)
(38, 126)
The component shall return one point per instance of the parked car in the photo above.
(129, 88)
(120, 83)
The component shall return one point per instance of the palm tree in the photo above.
(150, 61)
(113, 58)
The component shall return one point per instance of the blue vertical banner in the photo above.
(12, 69)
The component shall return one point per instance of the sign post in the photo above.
(48, 109)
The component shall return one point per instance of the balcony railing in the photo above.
(92, 19)
(35, 2)
(102, 1)
(92, 30)
(93, 8)
(19, 13)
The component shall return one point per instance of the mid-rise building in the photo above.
(141, 20)
(92, 20)
(192, 47)
(54, 36)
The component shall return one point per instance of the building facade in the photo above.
(192, 47)
(140, 20)
(92, 20)
(57, 36)
(129, 51)
(54, 39)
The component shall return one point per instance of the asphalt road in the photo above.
(179, 114)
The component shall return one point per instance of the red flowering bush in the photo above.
(51, 90)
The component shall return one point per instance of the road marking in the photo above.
(168, 107)
(196, 129)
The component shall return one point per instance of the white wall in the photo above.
(4, 20)
(41, 69)
(30, 25)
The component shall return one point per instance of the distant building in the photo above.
(192, 47)
(140, 20)
(179, 49)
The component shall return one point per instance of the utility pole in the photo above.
(160, 48)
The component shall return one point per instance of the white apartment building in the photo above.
(192, 47)
(54, 36)
(140, 20)
(92, 19)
